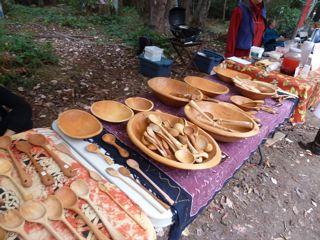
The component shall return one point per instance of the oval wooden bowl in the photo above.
(226, 75)
(240, 100)
(224, 112)
(162, 87)
(79, 124)
(111, 111)
(139, 104)
(206, 86)
(137, 125)
(269, 91)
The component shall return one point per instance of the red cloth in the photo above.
(259, 27)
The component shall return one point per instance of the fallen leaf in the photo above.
(274, 181)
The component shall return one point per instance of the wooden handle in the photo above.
(166, 196)
(51, 231)
(123, 153)
(65, 168)
(106, 158)
(26, 180)
(236, 123)
(25, 196)
(72, 230)
(196, 107)
(23, 234)
(46, 178)
(99, 235)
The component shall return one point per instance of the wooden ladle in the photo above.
(93, 148)
(6, 170)
(111, 139)
(70, 201)
(25, 147)
(82, 190)
(135, 165)
(5, 143)
(41, 141)
(55, 212)
(12, 221)
(34, 211)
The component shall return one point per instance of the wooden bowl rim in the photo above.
(83, 112)
(217, 69)
(214, 161)
(188, 80)
(218, 131)
(260, 93)
(112, 102)
(127, 102)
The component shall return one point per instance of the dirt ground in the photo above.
(277, 201)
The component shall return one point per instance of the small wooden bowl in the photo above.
(269, 90)
(206, 86)
(223, 112)
(139, 104)
(138, 124)
(79, 124)
(226, 75)
(111, 111)
(162, 87)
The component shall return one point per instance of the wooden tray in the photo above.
(206, 86)
(79, 124)
(137, 125)
(118, 217)
(226, 75)
(270, 91)
(162, 87)
(224, 112)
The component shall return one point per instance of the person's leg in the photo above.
(314, 146)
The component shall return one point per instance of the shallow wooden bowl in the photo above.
(223, 112)
(139, 104)
(240, 100)
(111, 111)
(162, 87)
(79, 124)
(138, 124)
(206, 86)
(268, 91)
(226, 75)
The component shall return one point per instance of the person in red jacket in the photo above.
(247, 26)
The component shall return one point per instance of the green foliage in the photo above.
(21, 56)
(287, 19)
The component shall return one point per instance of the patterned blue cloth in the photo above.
(1, 11)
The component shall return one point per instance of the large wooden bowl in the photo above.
(223, 112)
(206, 86)
(226, 75)
(139, 104)
(164, 87)
(111, 111)
(268, 90)
(79, 124)
(137, 125)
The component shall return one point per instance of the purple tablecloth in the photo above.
(202, 185)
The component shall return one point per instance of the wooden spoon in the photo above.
(126, 173)
(185, 156)
(6, 170)
(70, 201)
(203, 144)
(41, 141)
(111, 139)
(82, 190)
(115, 173)
(55, 212)
(190, 132)
(156, 144)
(93, 148)
(135, 165)
(5, 143)
(12, 221)
(179, 127)
(158, 131)
(244, 124)
(26, 147)
(34, 211)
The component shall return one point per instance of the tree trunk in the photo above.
(201, 12)
(224, 10)
(158, 14)
(187, 4)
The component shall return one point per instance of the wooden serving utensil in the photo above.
(70, 201)
(82, 190)
(185, 156)
(111, 139)
(6, 170)
(156, 144)
(25, 147)
(115, 173)
(12, 221)
(135, 165)
(55, 212)
(93, 148)
(203, 143)
(41, 141)
(158, 131)
(126, 173)
(34, 211)
(231, 122)
(5, 143)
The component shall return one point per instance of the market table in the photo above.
(307, 89)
